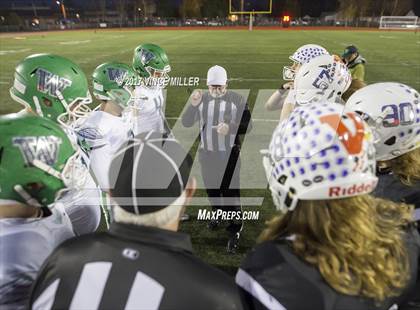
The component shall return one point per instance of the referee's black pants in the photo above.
(220, 171)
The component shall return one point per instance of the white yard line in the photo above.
(5, 52)
(74, 42)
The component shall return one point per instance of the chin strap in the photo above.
(48, 169)
(25, 195)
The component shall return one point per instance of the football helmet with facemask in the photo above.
(52, 86)
(112, 81)
(320, 153)
(324, 78)
(393, 112)
(38, 163)
(150, 60)
(302, 55)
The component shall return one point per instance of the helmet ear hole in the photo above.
(282, 179)
(34, 187)
(47, 102)
(391, 141)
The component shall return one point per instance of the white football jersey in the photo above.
(25, 244)
(148, 112)
(83, 207)
(100, 135)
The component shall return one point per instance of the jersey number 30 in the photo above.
(401, 114)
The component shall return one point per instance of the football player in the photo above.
(333, 246)
(56, 88)
(152, 65)
(51, 86)
(393, 111)
(38, 165)
(286, 100)
(104, 130)
(323, 78)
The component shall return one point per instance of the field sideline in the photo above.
(254, 60)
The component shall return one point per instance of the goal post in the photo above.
(250, 7)
(399, 22)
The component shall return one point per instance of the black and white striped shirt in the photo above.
(230, 109)
(131, 267)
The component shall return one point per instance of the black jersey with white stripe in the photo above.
(131, 267)
(273, 277)
(230, 108)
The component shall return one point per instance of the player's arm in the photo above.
(100, 160)
(288, 105)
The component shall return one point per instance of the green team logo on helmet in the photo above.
(150, 60)
(52, 86)
(112, 81)
(38, 162)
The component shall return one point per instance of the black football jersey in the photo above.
(273, 277)
(131, 267)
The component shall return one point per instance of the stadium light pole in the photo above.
(139, 11)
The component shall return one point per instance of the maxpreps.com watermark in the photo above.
(161, 82)
(223, 215)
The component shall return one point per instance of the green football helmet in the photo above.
(38, 163)
(112, 81)
(150, 60)
(52, 86)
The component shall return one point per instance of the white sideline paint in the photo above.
(74, 42)
(5, 52)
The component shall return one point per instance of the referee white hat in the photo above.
(216, 76)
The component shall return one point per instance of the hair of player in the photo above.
(159, 218)
(356, 243)
(407, 167)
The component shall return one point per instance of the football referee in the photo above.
(142, 262)
(223, 116)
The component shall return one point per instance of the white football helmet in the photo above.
(393, 112)
(302, 55)
(320, 153)
(324, 78)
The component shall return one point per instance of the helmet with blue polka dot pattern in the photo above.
(319, 153)
(322, 78)
(302, 55)
(393, 112)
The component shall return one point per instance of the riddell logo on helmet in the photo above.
(339, 191)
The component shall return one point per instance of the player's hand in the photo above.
(223, 129)
(288, 85)
(196, 97)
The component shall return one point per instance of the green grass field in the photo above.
(254, 60)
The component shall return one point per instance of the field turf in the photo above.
(254, 61)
